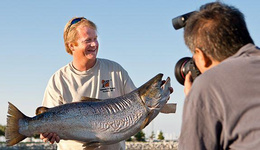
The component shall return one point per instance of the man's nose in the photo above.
(93, 44)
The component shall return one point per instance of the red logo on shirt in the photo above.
(106, 86)
(105, 83)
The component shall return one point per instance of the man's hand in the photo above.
(52, 137)
(187, 83)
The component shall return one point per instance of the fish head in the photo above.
(155, 93)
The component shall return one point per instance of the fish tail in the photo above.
(12, 134)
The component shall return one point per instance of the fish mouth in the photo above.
(155, 93)
(165, 93)
(166, 86)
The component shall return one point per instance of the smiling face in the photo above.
(85, 49)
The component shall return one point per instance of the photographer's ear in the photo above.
(203, 62)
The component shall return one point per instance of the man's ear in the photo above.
(71, 46)
(204, 59)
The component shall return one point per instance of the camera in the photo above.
(182, 68)
(186, 64)
(180, 21)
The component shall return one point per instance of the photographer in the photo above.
(222, 105)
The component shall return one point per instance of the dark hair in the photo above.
(217, 29)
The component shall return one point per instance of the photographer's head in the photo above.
(214, 33)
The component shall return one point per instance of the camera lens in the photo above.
(182, 68)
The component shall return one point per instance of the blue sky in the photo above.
(137, 34)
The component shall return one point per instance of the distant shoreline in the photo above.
(169, 145)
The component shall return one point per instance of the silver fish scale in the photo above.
(127, 112)
(110, 117)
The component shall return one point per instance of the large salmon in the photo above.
(93, 122)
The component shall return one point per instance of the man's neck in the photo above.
(84, 65)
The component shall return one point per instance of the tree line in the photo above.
(2, 130)
(140, 136)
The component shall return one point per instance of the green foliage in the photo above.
(2, 130)
(152, 135)
(36, 136)
(130, 139)
(140, 136)
(160, 136)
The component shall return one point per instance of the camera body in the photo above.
(182, 68)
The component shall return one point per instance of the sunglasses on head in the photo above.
(74, 21)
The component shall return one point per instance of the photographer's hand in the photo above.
(187, 83)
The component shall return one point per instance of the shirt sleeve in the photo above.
(201, 127)
(52, 96)
(128, 83)
(129, 86)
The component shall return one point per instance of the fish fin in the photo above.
(41, 110)
(12, 134)
(168, 108)
(91, 145)
(88, 99)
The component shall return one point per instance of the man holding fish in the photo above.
(90, 103)
(85, 76)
